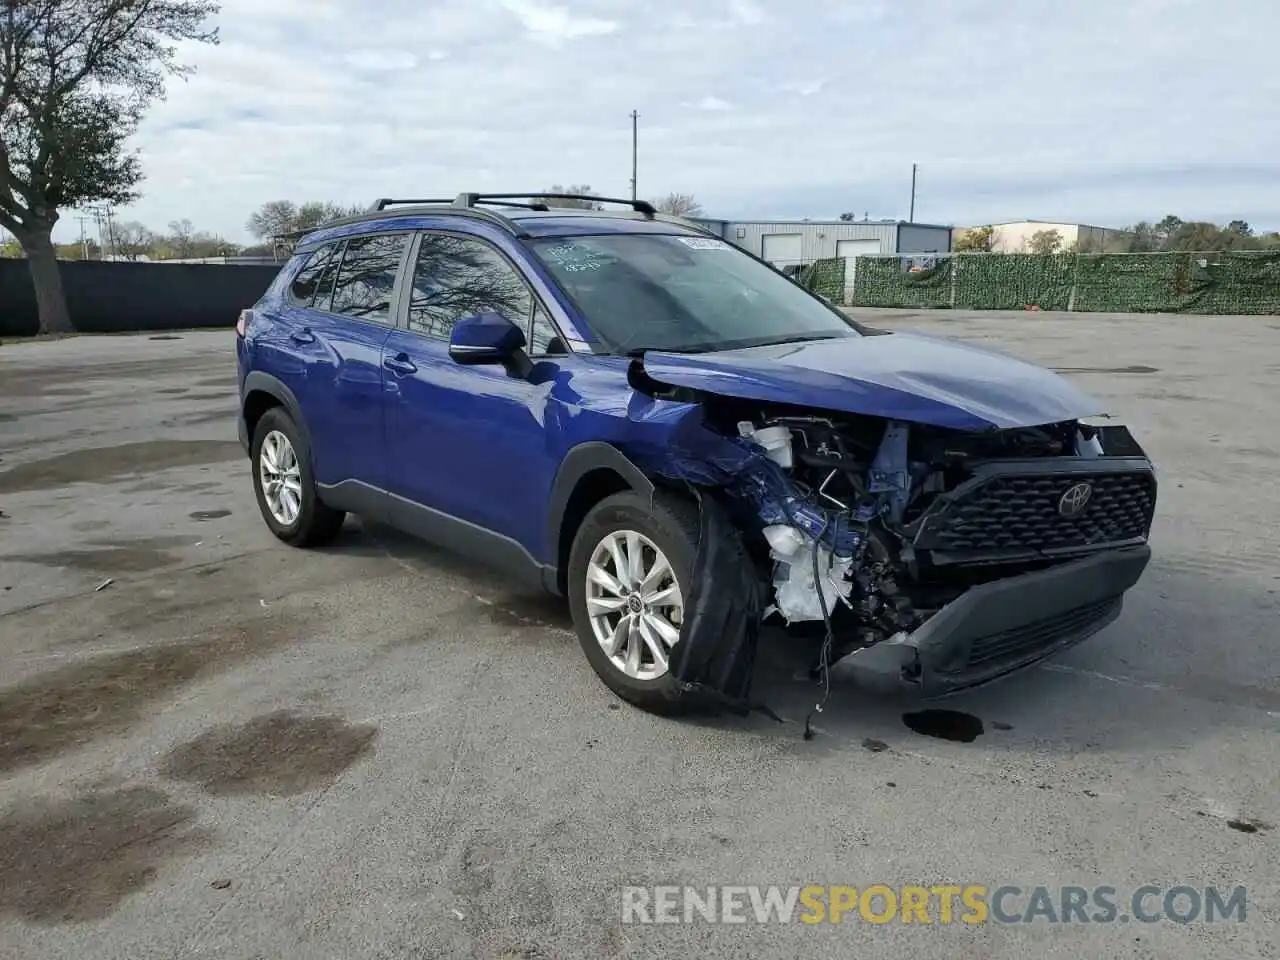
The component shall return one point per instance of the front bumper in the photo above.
(242, 430)
(1005, 626)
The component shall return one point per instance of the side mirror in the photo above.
(487, 337)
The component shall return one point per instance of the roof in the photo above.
(534, 219)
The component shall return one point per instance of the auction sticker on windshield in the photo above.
(703, 243)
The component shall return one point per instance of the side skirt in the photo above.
(461, 536)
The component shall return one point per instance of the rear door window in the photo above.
(366, 279)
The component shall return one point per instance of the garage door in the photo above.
(782, 249)
(850, 250)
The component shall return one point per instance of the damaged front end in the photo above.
(939, 557)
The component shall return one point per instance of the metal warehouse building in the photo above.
(794, 243)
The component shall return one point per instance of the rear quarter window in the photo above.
(322, 260)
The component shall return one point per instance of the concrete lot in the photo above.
(236, 749)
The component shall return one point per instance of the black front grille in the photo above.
(1026, 640)
(1021, 511)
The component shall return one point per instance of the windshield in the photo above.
(684, 294)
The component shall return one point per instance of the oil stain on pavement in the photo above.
(105, 464)
(69, 707)
(277, 754)
(76, 860)
(125, 556)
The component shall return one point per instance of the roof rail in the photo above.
(539, 201)
(384, 202)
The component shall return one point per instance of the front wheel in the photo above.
(628, 578)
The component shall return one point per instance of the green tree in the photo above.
(1165, 230)
(75, 79)
(977, 240)
(1045, 242)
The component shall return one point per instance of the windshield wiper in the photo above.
(641, 351)
(798, 338)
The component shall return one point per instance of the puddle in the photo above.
(66, 708)
(105, 464)
(77, 860)
(170, 336)
(228, 382)
(277, 754)
(945, 725)
(176, 390)
(217, 515)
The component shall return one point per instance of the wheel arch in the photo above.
(261, 392)
(589, 472)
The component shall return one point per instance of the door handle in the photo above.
(303, 336)
(400, 365)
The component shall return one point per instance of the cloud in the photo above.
(709, 103)
(553, 24)
(1093, 110)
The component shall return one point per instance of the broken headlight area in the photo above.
(872, 528)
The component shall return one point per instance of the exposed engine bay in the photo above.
(945, 556)
(873, 527)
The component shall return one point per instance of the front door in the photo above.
(464, 443)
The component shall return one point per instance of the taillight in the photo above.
(246, 317)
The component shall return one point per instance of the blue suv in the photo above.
(623, 409)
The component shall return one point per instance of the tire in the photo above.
(669, 524)
(314, 524)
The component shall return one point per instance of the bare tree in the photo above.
(578, 189)
(182, 237)
(679, 205)
(133, 240)
(279, 217)
(75, 79)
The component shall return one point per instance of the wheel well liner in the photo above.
(589, 472)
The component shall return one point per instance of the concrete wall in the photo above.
(117, 297)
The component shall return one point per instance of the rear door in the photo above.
(466, 441)
(339, 317)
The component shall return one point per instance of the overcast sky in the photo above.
(1094, 111)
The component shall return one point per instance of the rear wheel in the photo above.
(628, 579)
(284, 485)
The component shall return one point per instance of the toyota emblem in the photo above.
(1073, 502)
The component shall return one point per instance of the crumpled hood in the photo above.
(899, 376)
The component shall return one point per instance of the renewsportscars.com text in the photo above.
(934, 904)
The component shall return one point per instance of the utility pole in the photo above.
(635, 141)
(84, 238)
(912, 217)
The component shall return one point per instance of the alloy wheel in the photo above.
(281, 478)
(634, 604)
